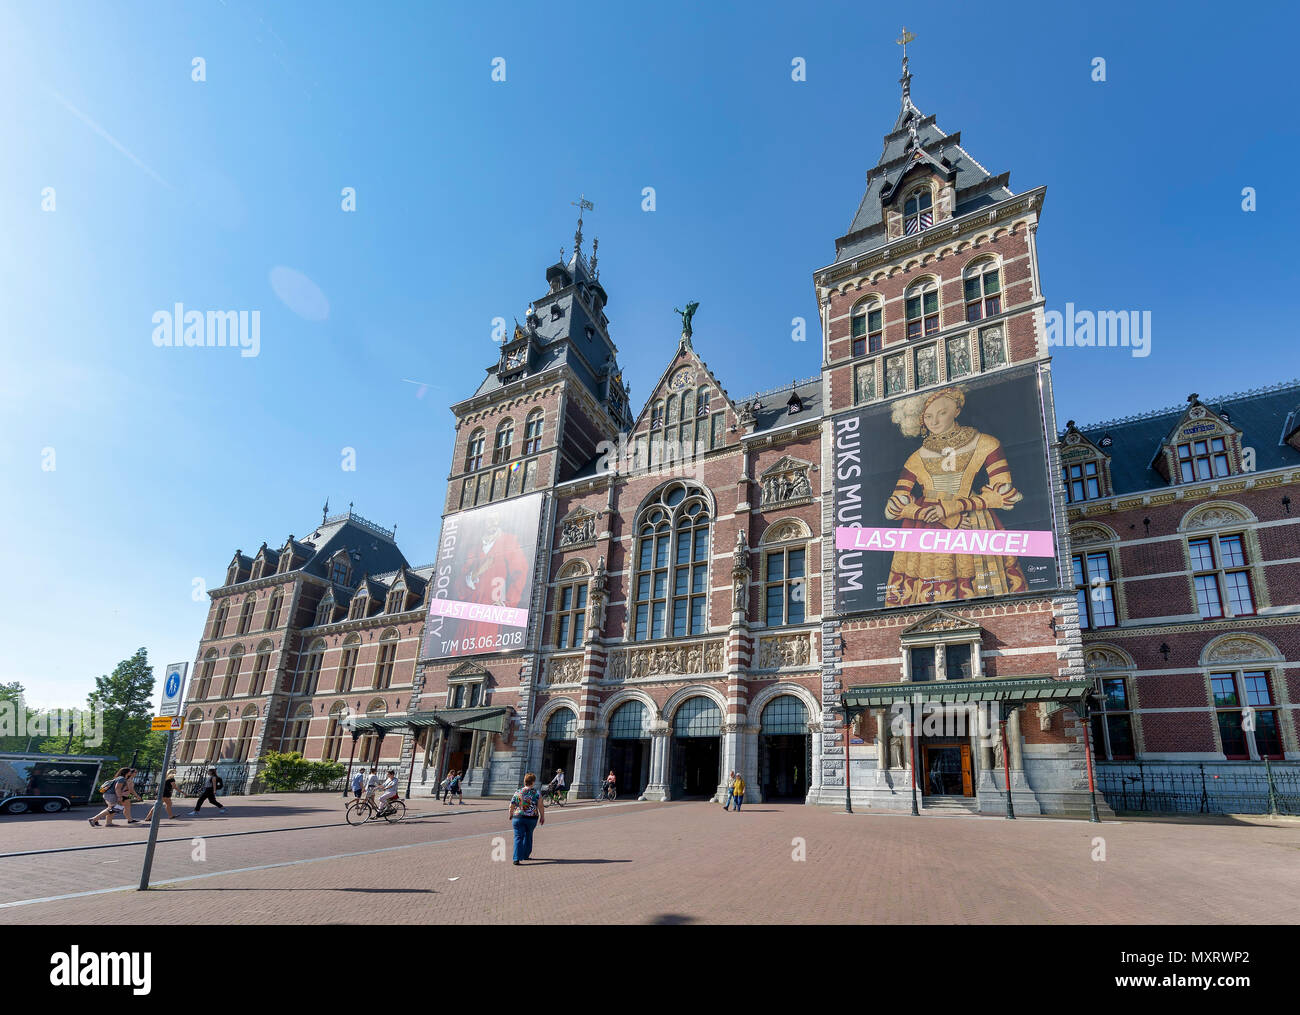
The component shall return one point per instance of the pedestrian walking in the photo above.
(441, 791)
(169, 787)
(447, 785)
(208, 791)
(526, 812)
(731, 782)
(458, 788)
(738, 792)
(114, 789)
(358, 781)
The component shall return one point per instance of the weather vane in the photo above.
(582, 204)
(907, 37)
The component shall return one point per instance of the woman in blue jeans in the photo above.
(526, 812)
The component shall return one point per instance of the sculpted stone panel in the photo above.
(666, 660)
(564, 669)
(784, 652)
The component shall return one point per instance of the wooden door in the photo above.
(966, 782)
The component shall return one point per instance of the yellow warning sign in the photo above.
(167, 723)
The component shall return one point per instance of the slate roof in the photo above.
(1265, 416)
(773, 410)
(976, 186)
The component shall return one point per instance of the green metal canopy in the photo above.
(491, 720)
(961, 691)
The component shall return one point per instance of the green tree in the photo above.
(10, 693)
(126, 697)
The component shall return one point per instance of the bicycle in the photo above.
(358, 812)
(555, 797)
(607, 792)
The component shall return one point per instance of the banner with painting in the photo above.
(483, 579)
(944, 496)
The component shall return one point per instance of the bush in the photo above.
(284, 773)
(321, 774)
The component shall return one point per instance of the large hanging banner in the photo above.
(483, 579)
(944, 496)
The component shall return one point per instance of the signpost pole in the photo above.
(157, 815)
(168, 718)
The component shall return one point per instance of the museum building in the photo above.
(893, 581)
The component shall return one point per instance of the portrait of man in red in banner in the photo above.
(496, 573)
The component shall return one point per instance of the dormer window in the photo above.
(340, 568)
(923, 309)
(556, 312)
(868, 327)
(1082, 481)
(360, 607)
(1206, 459)
(918, 212)
(232, 575)
(983, 291)
(325, 612)
(396, 600)
(794, 405)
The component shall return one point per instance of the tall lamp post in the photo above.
(1005, 712)
(1085, 711)
(916, 709)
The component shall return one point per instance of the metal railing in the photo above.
(189, 778)
(1172, 787)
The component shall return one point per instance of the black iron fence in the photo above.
(1171, 787)
(190, 779)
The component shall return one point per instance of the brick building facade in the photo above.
(687, 611)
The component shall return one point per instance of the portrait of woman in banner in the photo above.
(957, 479)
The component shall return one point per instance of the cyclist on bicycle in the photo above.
(610, 782)
(556, 786)
(389, 788)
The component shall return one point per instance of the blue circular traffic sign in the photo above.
(173, 684)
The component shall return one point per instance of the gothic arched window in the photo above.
(982, 284)
(474, 451)
(533, 432)
(672, 582)
(922, 308)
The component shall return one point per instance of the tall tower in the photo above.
(948, 563)
(553, 395)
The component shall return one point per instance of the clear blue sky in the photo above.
(166, 190)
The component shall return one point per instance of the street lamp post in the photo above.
(1006, 760)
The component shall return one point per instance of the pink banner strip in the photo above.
(506, 616)
(998, 542)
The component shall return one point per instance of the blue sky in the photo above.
(169, 190)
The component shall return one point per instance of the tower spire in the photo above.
(906, 79)
(582, 204)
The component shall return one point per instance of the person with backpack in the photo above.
(526, 812)
(358, 782)
(455, 788)
(211, 783)
(114, 790)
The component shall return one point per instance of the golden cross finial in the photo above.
(907, 37)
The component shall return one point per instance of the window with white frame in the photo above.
(1246, 714)
(1207, 459)
(1221, 576)
(1082, 481)
(1112, 720)
(982, 289)
(1094, 588)
(784, 586)
(474, 451)
(922, 309)
(868, 327)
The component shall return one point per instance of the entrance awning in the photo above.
(952, 692)
(490, 720)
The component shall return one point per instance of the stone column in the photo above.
(1014, 742)
(733, 758)
(658, 786)
(587, 746)
(815, 766)
(749, 764)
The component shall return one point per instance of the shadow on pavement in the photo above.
(364, 891)
(671, 919)
(576, 861)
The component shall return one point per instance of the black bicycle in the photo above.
(555, 796)
(607, 792)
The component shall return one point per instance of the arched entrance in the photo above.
(784, 749)
(628, 750)
(560, 746)
(697, 748)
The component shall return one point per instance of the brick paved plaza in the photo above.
(649, 863)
